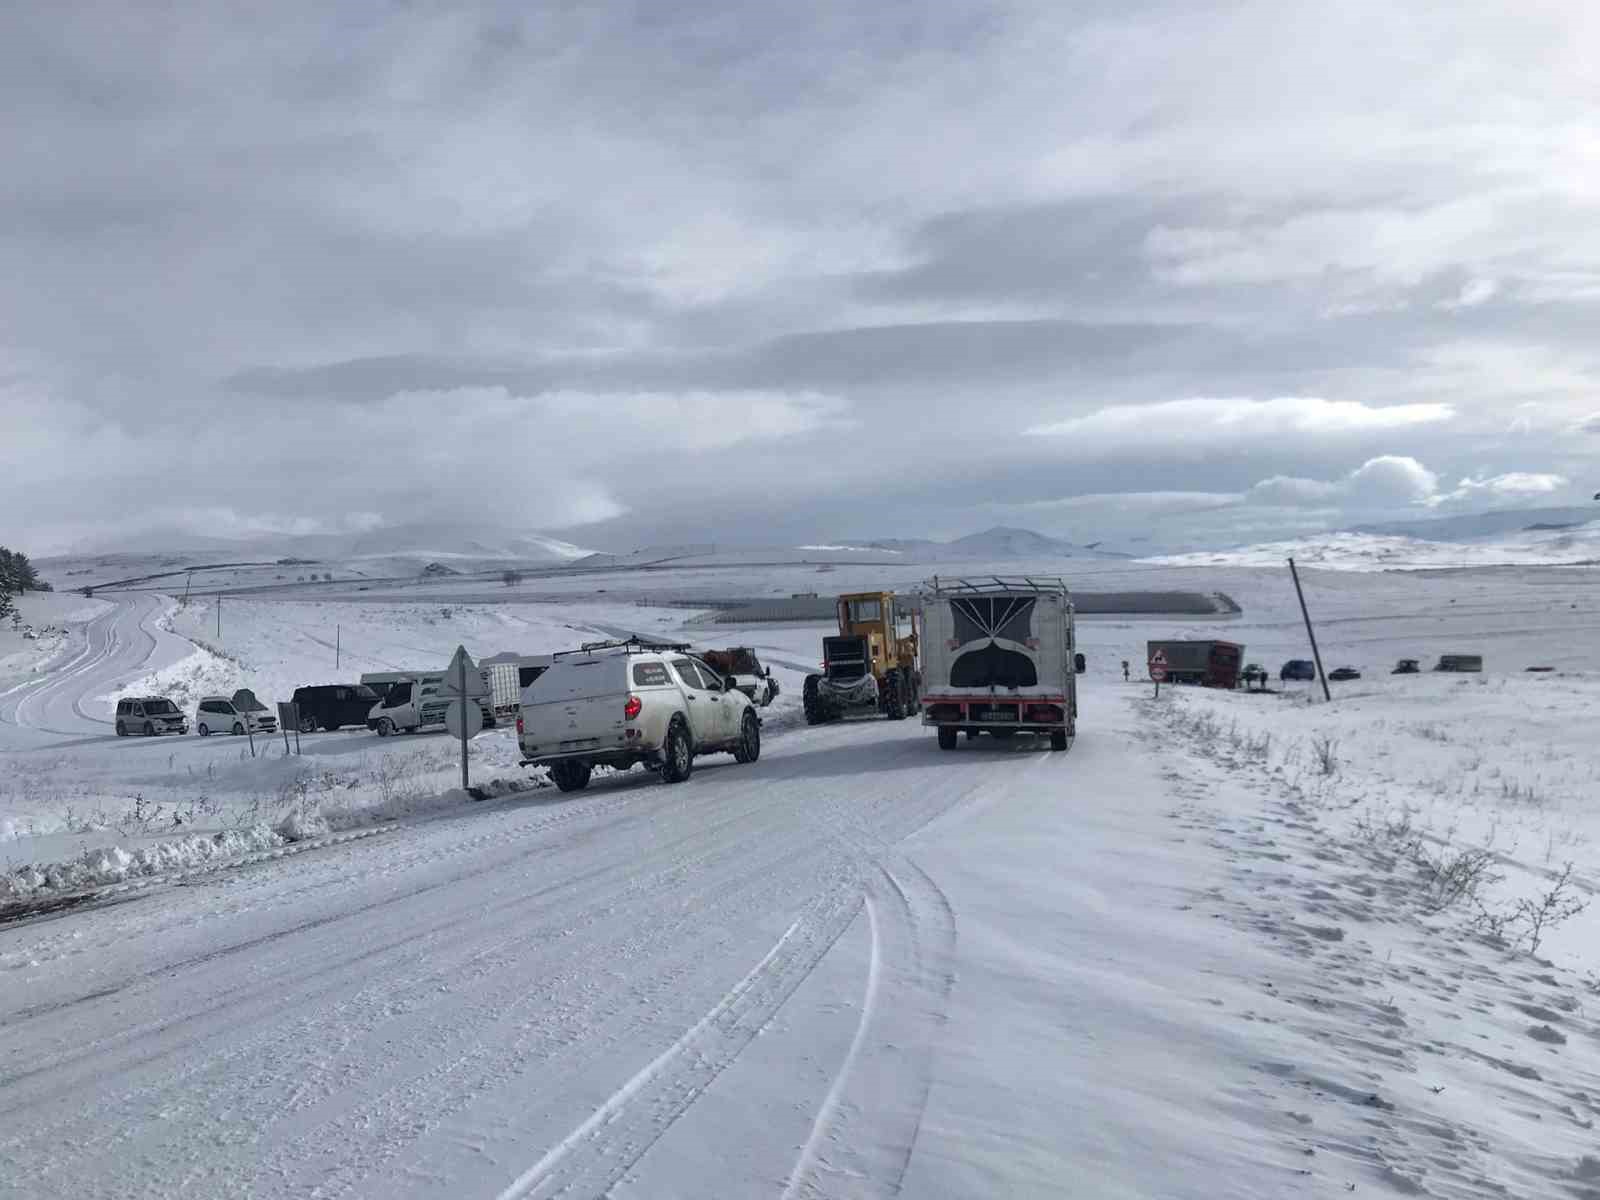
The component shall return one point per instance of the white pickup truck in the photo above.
(618, 704)
(410, 702)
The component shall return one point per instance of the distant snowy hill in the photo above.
(1574, 546)
(422, 542)
(1468, 527)
(1001, 542)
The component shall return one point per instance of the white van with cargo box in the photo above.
(616, 704)
(999, 656)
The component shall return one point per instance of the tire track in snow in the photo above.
(596, 1154)
(872, 1115)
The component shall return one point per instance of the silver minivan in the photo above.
(150, 716)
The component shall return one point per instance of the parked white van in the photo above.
(233, 714)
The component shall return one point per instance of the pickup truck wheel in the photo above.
(677, 760)
(570, 774)
(385, 727)
(203, 730)
(947, 737)
(308, 724)
(748, 748)
(237, 729)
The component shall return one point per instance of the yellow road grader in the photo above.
(870, 665)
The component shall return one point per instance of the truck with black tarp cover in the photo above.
(999, 656)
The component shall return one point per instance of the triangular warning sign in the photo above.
(1158, 659)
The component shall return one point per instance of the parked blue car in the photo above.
(1298, 668)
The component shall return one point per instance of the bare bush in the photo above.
(1560, 903)
(1457, 876)
(1325, 754)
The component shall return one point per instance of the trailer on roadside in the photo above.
(507, 674)
(1202, 662)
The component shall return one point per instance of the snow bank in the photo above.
(115, 864)
(314, 817)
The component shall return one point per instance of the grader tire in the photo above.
(816, 713)
(894, 690)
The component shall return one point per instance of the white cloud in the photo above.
(1474, 293)
(1184, 423)
(1510, 486)
(1388, 481)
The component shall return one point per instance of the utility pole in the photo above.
(464, 700)
(336, 647)
(219, 616)
(1310, 633)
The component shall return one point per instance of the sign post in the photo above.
(289, 714)
(1158, 668)
(463, 684)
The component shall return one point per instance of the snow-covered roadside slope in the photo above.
(862, 966)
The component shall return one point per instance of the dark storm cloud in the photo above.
(280, 262)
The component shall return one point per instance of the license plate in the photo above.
(997, 714)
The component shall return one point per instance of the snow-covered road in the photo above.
(740, 986)
(63, 701)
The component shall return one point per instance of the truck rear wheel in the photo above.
(1059, 739)
(947, 737)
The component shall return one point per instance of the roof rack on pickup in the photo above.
(996, 584)
(632, 643)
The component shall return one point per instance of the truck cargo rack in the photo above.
(996, 584)
(631, 643)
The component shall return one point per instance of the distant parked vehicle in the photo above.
(1254, 675)
(507, 675)
(1460, 662)
(233, 714)
(1342, 674)
(150, 716)
(1407, 666)
(412, 703)
(1302, 669)
(333, 705)
(617, 704)
(749, 676)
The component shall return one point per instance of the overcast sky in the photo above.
(759, 272)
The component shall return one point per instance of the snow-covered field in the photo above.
(1230, 945)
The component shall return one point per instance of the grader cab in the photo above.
(870, 665)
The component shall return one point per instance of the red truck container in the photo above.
(1206, 663)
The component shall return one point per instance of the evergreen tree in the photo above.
(17, 574)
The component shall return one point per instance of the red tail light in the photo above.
(519, 725)
(633, 707)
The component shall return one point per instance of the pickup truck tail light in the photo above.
(519, 724)
(633, 707)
